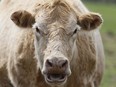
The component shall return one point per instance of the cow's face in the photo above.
(55, 38)
(55, 42)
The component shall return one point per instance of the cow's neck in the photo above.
(83, 64)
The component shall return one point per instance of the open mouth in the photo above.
(55, 78)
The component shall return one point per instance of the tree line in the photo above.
(105, 1)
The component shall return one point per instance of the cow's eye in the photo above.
(75, 31)
(37, 30)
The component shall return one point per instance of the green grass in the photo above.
(108, 12)
(108, 31)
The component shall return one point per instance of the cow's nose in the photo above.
(56, 63)
(56, 70)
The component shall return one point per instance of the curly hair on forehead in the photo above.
(52, 4)
(59, 10)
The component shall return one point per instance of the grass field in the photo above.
(108, 32)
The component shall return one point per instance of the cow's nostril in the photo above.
(49, 63)
(64, 63)
(56, 63)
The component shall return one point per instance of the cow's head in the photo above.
(55, 29)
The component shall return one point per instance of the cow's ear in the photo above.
(23, 18)
(90, 21)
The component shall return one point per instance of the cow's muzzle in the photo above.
(56, 70)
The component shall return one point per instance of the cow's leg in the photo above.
(22, 73)
(4, 81)
(21, 65)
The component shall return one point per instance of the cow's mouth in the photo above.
(55, 78)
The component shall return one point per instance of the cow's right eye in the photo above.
(37, 30)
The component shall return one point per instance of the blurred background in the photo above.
(107, 8)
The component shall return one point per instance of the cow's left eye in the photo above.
(75, 31)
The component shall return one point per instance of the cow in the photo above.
(50, 43)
